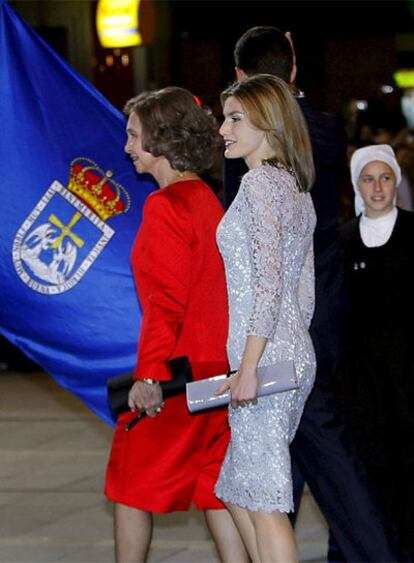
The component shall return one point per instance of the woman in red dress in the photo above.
(172, 458)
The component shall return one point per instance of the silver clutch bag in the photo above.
(275, 378)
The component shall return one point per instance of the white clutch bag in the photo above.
(275, 378)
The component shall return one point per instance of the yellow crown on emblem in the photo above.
(97, 189)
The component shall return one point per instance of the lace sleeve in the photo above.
(307, 287)
(265, 248)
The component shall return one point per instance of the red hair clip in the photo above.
(198, 101)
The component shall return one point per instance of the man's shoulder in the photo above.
(325, 129)
(313, 114)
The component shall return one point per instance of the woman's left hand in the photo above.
(243, 386)
(146, 397)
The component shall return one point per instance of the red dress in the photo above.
(164, 464)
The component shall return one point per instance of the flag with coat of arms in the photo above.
(71, 204)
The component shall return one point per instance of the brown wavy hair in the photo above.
(272, 108)
(174, 125)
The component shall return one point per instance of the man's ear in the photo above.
(294, 70)
(240, 74)
(293, 73)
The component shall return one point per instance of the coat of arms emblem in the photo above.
(67, 230)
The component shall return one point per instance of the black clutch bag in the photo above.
(119, 387)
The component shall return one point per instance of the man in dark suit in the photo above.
(322, 454)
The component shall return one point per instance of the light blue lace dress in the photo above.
(266, 242)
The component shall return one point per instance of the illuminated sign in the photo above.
(117, 23)
(404, 78)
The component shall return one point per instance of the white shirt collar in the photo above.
(376, 232)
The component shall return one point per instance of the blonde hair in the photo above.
(272, 108)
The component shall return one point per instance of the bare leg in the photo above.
(246, 529)
(275, 538)
(133, 533)
(228, 542)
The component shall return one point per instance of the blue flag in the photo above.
(71, 204)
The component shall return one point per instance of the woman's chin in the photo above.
(229, 154)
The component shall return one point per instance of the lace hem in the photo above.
(282, 504)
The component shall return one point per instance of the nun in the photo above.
(376, 378)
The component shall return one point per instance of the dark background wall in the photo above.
(344, 48)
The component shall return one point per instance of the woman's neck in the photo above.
(168, 175)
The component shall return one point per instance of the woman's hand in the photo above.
(243, 386)
(146, 397)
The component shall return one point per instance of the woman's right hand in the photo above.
(243, 386)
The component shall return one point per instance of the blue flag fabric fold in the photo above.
(71, 203)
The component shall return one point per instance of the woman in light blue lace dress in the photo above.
(266, 242)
